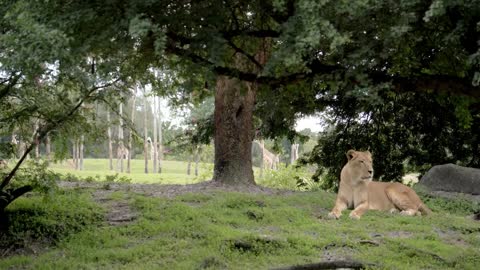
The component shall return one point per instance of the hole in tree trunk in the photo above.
(239, 111)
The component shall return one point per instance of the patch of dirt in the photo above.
(399, 234)
(332, 252)
(169, 191)
(451, 237)
(119, 211)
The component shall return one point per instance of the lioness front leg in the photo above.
(340, 204)
(359, 210)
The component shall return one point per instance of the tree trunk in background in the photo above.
(293, 152)
(110, 146)
(130, 137)
(120, 147)
(80, 153)
(234, 103)
(160, 138)
(48, 147)
(155, 131)
(145, 130)
(189, 166)
(262, 157)
(35, 139)
(74, 153)
(197, 159)
(21, 148)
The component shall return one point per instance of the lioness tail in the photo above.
(424, 209)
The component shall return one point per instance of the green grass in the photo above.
(173, 172)
(227, 230)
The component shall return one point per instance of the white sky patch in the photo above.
(314, 123)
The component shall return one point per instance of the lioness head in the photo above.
(360, 165)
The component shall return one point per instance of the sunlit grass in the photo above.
(173, 172)
(227, 230)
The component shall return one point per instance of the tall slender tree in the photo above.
(110, 142)
(80, 152)
(155, 137)
(145, 129)
(120, 143)
(160, 136)
(131, 151)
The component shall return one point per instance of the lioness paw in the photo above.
(354, 215)
(333, 215)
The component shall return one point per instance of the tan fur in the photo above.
(358, 192)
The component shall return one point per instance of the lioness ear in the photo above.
(350, 154)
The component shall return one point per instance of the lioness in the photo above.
(357, 191)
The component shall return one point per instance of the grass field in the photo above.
(229, 230)
(173, 172)
(103, 226)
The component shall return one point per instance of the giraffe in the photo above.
(269, 159)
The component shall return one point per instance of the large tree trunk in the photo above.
(110, 145)
(234, 103)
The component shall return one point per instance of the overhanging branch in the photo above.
(421, 82)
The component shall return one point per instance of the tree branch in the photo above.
(10, 196)
(422, 82)
(239, 50)
(262, 33)
(426, 82)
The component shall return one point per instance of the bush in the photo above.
(47, 220)
(291, 177)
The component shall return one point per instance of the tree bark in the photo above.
(110, 145)
(234, 103)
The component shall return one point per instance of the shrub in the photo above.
(291, 177)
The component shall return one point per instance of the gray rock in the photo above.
(452, 178)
